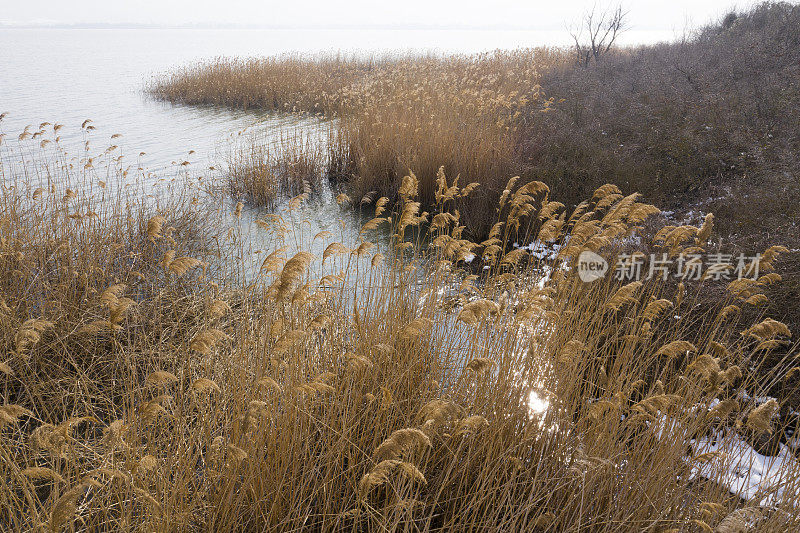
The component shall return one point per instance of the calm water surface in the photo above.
(67, 76)
(70, 75)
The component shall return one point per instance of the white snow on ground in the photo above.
(737, 466)
(541, 250)
(745, 472)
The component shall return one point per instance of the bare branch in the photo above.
(602, 29)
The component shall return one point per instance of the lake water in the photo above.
(70, 75)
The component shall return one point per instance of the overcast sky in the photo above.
(672, 15)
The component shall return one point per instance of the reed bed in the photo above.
(382, 386)
(394, 113)
(705, 123)
(261, 168)
(673, 119)
(288, 83)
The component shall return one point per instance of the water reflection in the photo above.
(537, 405)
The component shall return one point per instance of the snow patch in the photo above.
(745, 472)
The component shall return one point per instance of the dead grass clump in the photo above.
(260, 170)
(81, 261)
(340, 392)
(463, 113)
(288, 83)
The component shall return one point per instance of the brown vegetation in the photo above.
(708, 123)
(393, 114)
(142, 391)
(674, 119)
(387, 385)
(260, 168)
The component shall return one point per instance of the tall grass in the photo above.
(381, 386)
(707, 122)
(260, 168)
(394, 114)
(288, 83)
(461, 113)
(671, 119)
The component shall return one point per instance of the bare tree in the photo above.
(597, 32)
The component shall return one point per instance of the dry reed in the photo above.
(433, 399)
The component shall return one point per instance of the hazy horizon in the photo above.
(675, 16)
